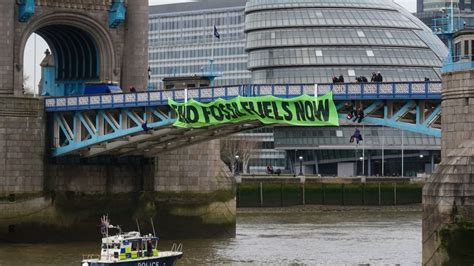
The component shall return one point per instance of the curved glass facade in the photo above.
(309, 41)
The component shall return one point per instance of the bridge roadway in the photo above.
(92, 125)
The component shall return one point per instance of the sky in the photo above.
(34, 73)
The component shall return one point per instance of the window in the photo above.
(319, 53)
(457, 51)
(360, 33)
(351, 73)
(370, 53)
(466, 48)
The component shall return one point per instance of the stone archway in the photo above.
(83, 49)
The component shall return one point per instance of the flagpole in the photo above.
(211, 65)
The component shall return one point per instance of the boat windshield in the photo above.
(110, 246)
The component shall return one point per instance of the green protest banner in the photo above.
(304, 110)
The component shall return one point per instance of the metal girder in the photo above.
(394, 120)
(121, 131)
(99, 140)
(214, 134)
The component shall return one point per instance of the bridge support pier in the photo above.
(195, 192)
(448, 196)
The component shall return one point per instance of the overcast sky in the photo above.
(41, 46)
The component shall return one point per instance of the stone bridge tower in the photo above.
(448, 196)
(92, 40)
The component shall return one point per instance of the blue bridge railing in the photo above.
(346, 91)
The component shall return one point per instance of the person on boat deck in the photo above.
(149, 248)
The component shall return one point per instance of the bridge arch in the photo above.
(82, 48)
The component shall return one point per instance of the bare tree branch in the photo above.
(230, 147)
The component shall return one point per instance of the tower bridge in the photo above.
(112, 123)
(186, 181)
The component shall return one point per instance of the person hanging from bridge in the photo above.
(145, 127)
(351, 111)
(359, 115)
(357, 137)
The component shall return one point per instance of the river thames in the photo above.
(288, 236)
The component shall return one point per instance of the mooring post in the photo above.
(281, 195)
(380, 196)
(342, 191)
(395, 194)
(303, 196)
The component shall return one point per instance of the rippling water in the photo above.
(274, 238)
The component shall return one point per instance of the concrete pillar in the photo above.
(448, 196)
(193, 184)
(135, 54)
(7, 20)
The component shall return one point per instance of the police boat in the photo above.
(131, 248)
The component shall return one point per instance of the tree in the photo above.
(26, 89)
(232, 146)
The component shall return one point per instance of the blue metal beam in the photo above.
(107, 119)
(432, 91)
(431, 117)
(402, 111)
(26, 9)
(74, 146)
(375, 105)
(86, 124)
(117, 13)
(63, 128)
(400, 125)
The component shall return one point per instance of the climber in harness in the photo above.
(357, 137)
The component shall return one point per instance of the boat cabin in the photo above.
(129, 246)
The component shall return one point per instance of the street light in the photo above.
(237, 164)
(301, 165)
(421, 156)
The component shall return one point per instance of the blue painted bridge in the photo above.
(111, 124)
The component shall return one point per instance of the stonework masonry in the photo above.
(6, 46)
(448, 196)
(98, 179)
(135, 67)
(22, 144)
(197, 168)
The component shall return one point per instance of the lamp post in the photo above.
(237, 164)
(301, 165)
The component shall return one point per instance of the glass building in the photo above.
(182, 41)
(310, 41)
(305, 41)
